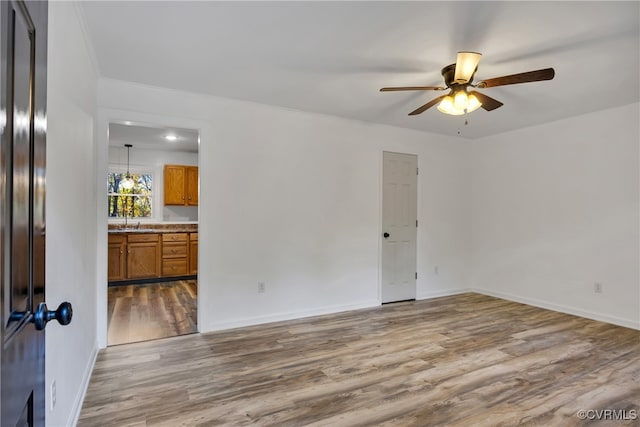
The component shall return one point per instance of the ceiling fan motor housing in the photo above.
(448, 74)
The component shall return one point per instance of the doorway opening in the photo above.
(153, 197)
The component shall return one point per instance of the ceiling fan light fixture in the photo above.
(460, 100)
(458, 104)
(473, 103)
(466, 64)
(447, 106)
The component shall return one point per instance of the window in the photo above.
(134, 202)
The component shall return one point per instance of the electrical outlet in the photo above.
(597, 288)
(262, 288)
(53, 394)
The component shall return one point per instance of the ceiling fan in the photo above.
(458, 78)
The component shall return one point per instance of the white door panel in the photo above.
(399, 215)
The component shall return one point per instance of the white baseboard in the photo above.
(251, 321)
(79, 400)
(562, 308)
(441, 293)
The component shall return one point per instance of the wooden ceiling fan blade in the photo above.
(466, 66)
(530, 76)
(426, 106)
(394, 89)
(487, 102)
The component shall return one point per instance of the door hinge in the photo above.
(416, 275)
(417, 171)
(416, 222)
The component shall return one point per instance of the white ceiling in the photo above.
(333, 57)
(151, 137)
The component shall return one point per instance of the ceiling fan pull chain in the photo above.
(466, 121)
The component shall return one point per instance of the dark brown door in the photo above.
(23, 79)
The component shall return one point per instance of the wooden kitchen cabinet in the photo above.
(152, 255)
(181, 185)
(175, 254)
(192, 189)
(116, 254)
(193, 253)
(143, 255)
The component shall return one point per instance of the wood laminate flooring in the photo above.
(463, 360)
(151, 311)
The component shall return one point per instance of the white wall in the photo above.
(153, 161)
(555, 210)
(293, 199)
(71, 237)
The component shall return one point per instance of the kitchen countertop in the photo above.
(155, 228)
(151, 230)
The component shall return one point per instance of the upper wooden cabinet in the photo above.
(192, 186)
(181, 185)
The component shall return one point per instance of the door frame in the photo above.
(380, 217)
(106, 116)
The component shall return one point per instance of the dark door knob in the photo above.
(63, 315)
(385, 235)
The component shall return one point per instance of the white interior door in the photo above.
(399, 226)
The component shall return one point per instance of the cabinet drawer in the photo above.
(193, 236)
(117, 238)
(175, 237)
(174, 267)
(178, 250)
(142, 237)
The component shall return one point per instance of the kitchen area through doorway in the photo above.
(153, 197)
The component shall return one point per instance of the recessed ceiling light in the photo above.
(171, 137)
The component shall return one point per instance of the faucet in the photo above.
(126, 215)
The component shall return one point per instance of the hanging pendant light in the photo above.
(127, 182)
